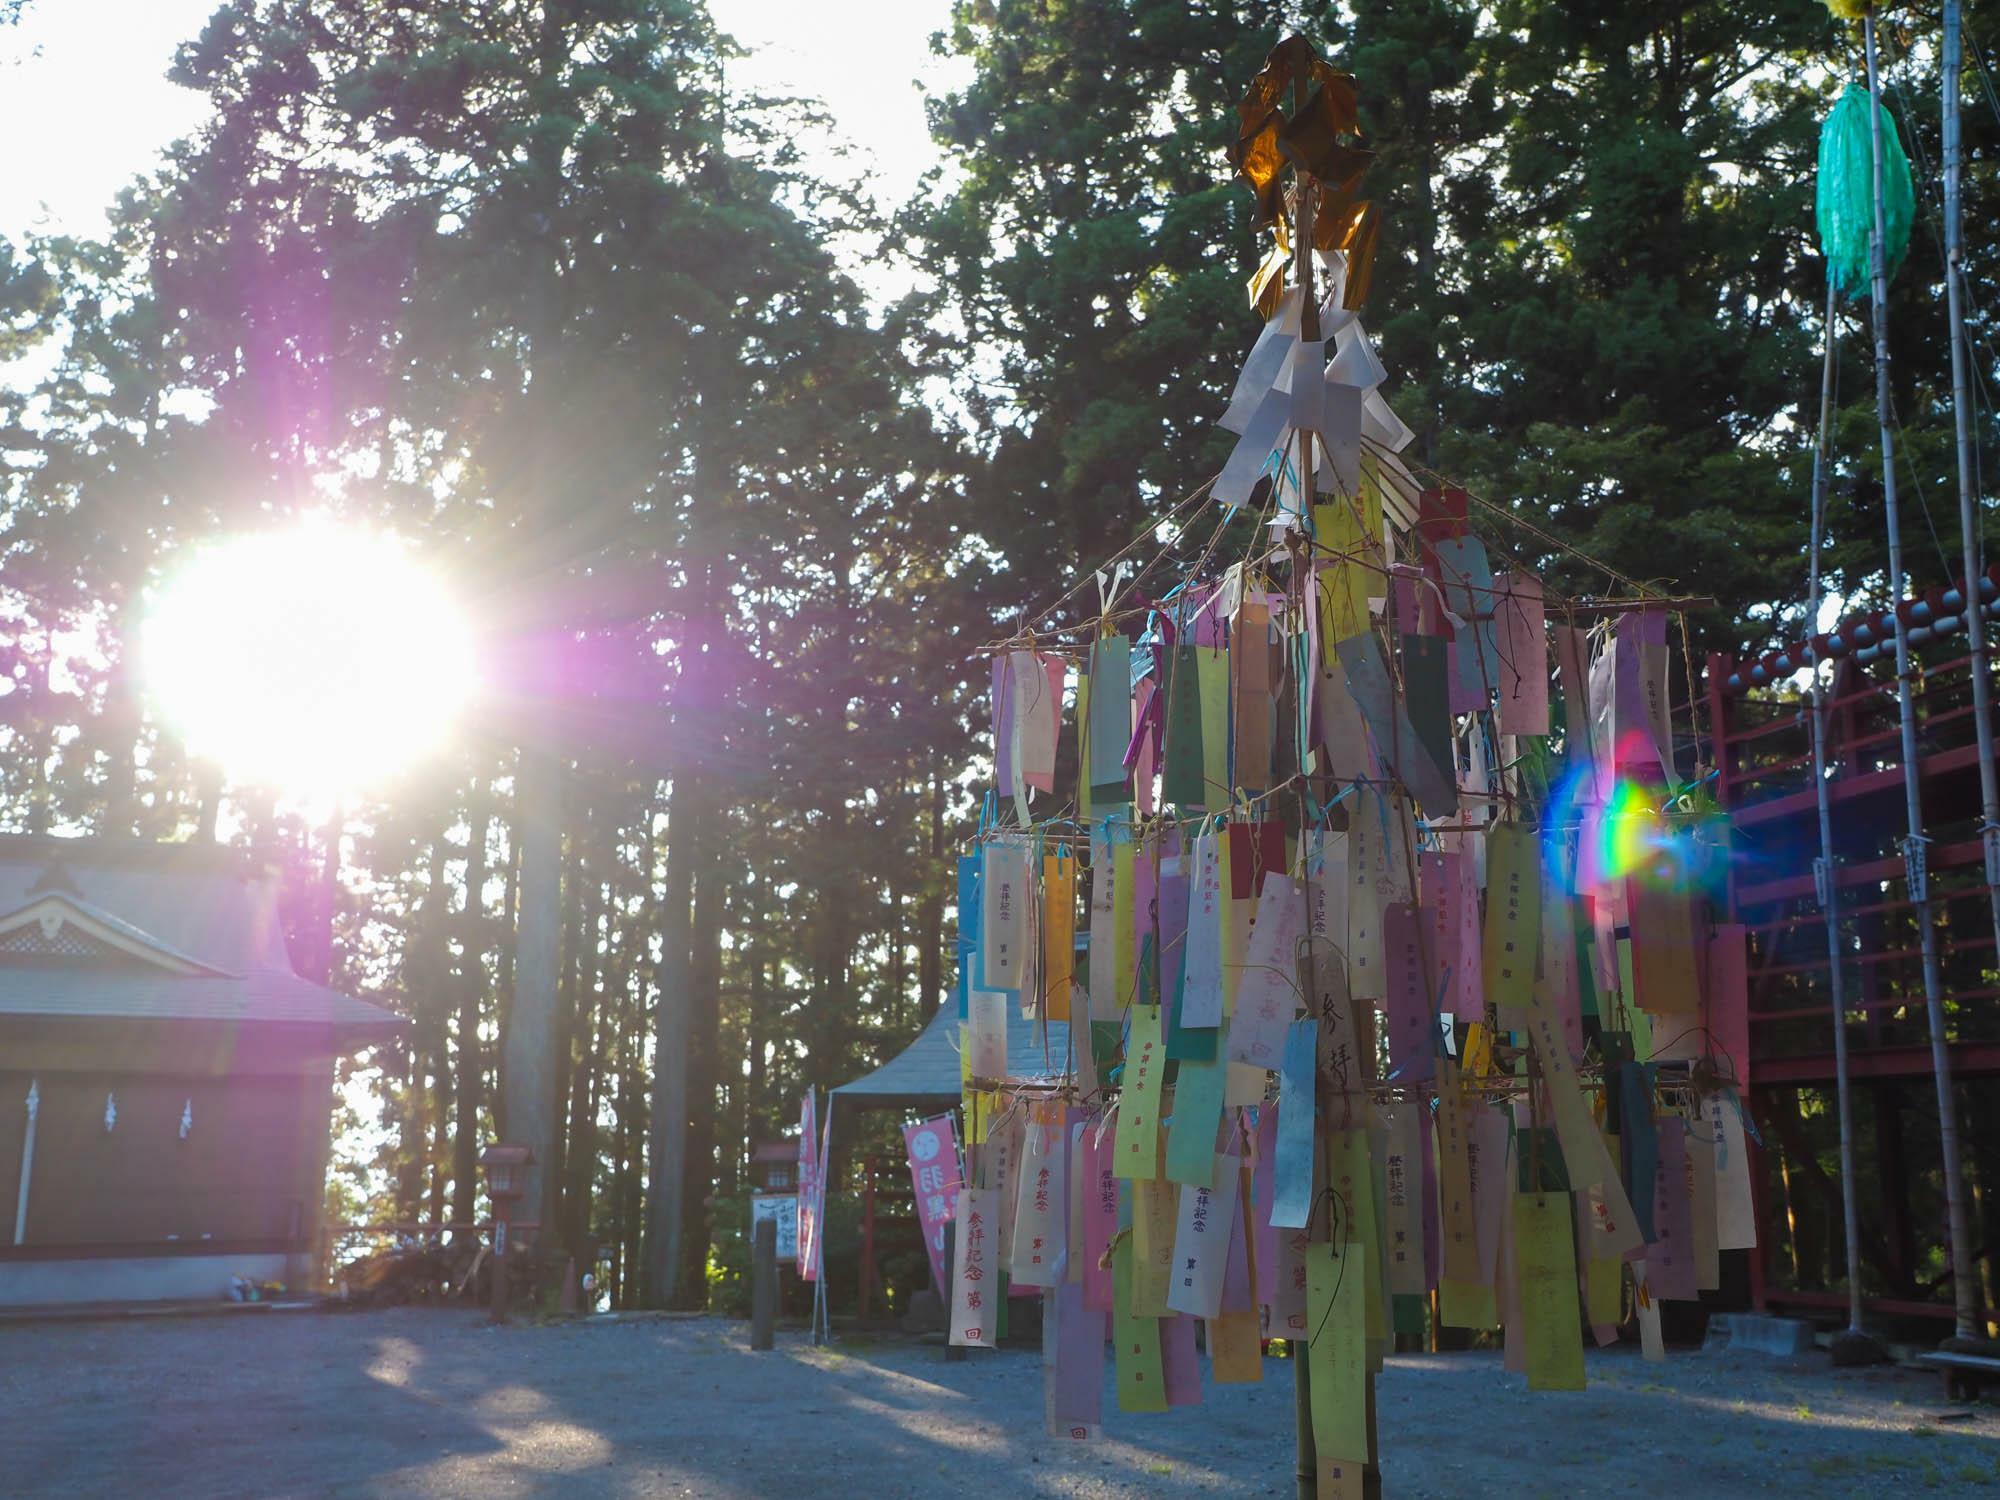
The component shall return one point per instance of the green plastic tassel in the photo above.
(1845, 205)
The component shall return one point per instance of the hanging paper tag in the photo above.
(1142, 1384)
(1197, 1115)
(1110, 716)
(1652, 1344)
(1403, 1180)
(1103, 920)
(1201, 993)
(1336, 1295)
(1250, 658)
(1100, 1209)
(1670, 1262)
(1701, 1198)
(975, 1278)
(1267, 995)
(1235, 1349)
(1006, 893)
(1058, 934)
(1005, 1143)
(1545, 1256)
(1583, 1149)
(1524, 654)
(1735, 1211)
(986, 1035)
(1455, 1211)
(1513, 918)
(1410, 1012)
(1039, 1239)
(1180, 1362)
(1076, 1369)
(1201, 1242)
(1139, 1101)
(1155, 1206)
(1292, 1167)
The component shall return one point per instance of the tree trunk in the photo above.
(930, 918)
(529, 1060)
(704, 1046)
(471, 986)
(595, 1039)
(503, 996)
(667, 1147)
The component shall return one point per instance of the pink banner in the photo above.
(932, 1147)
(809, 1195)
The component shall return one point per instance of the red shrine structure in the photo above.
(1762, 752)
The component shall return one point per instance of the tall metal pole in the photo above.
(1826, 877)
(1964, 1282)
(1968, 498)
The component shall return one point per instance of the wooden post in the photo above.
(952, 1352)
(501, 1254)
(1302, 1419)
(868, 1277)
(764, 1284)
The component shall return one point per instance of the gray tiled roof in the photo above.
(190, 901)
(85, 992)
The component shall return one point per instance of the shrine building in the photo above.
(166, 1077)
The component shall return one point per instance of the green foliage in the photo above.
(1090, 256)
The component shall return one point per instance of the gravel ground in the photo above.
(421, 1402)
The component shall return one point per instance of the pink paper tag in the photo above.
(1522, 628)
(1181, 1364)
(1261, 1190)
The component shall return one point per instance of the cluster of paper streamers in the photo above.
(1367, 945)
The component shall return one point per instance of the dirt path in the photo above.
(407, 1403)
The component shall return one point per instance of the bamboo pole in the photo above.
(1968, 527)
(1964, 1282)
(1828, 886)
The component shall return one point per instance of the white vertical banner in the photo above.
(975, 1279)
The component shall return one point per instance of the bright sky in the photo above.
(86, 106)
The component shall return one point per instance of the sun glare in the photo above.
(311, 660)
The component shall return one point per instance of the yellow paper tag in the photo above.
(1058, 933)
(1513, 917)
(1235, 1349)
(1544, 1252)
(1138, 1145)
(1155, 1206)
(1142, 1382)
(1337, 1346)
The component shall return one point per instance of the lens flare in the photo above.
(311, 660)
(1621, 831)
